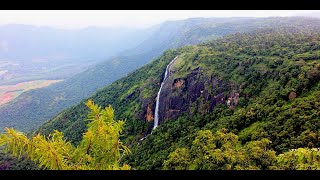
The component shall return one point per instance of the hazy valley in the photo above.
(194, 94)
(10, 92)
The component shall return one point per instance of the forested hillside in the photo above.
(259, 88)
(276, 76)
(33, 108)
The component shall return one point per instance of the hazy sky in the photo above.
(116, 18)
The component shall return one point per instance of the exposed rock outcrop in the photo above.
(292, 95)
(178, 83)
(149, 116)
(233, 99)
(196, 93)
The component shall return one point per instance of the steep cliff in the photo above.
(196, 92)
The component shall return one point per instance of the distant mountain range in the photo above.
(25, 42)
(32, 53)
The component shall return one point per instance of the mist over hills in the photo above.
(31, 53)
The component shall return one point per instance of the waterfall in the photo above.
(156, 112)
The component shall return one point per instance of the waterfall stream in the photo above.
(156, 112)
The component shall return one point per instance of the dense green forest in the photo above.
(248, 100)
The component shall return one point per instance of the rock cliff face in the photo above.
(149, 114)
(194, 93)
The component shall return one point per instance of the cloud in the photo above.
(4, 47)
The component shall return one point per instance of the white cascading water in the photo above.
(156, 112)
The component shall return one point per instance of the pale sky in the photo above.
(75, 19)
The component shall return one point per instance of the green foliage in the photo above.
(100, 148)
(221, 151)
(301, 159)
(178, 160)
